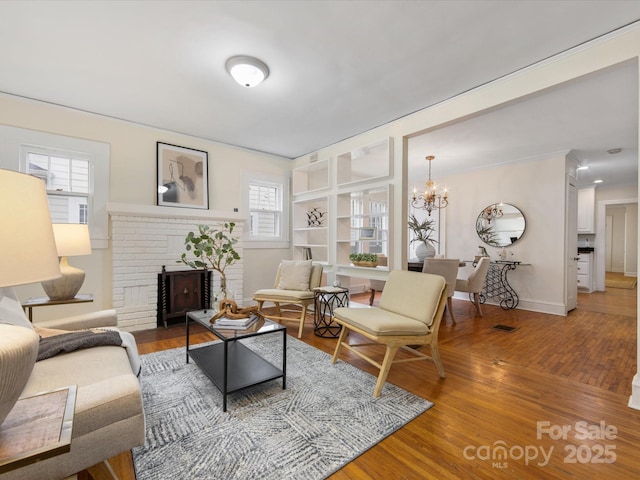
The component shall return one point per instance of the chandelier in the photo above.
(491, 212)
(431, 199)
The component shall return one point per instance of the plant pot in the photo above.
(365, 264)
(424, 250)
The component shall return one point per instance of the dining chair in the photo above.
(448, 268)
(474, 283)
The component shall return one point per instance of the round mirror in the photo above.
(500, 225)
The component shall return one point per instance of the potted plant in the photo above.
(213, 248)
(364, 259)
(422, 232)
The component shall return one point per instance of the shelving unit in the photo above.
(353, 192)
(313, 177)
(371, 162)
(362, 222)
(310, 229)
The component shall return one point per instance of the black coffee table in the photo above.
(231, 365)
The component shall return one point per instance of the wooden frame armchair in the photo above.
(290, 274)
(410, 312)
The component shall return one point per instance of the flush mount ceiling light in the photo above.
(583, 167)
(247, 71)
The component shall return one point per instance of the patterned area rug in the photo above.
(325, 418)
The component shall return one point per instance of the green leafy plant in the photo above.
(422, 230)
(363, 257)
(212, 248)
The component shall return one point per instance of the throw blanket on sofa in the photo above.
(54, 342)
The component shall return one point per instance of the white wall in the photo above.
(540, 284)
(133, 181)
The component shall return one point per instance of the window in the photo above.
(266, 201)
(265, 204)
(67, 179)
(83, 203)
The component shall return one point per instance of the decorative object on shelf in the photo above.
(492, 211)
(72, 239)
(364, 259)
(367, 233)
(422, 232)
(182, 177)
(501, 230)
(213, 248)
(247, 71)
(315, 218)
(432, 198)
(306, 253)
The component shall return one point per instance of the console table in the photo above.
(496, 285)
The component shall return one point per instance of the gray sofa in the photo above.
(109, 416)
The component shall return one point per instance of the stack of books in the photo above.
(239, 324)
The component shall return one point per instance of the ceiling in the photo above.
(338, 68)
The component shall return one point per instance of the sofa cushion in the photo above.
(294, 275)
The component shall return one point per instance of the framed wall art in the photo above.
(368, 233)
(183, 175)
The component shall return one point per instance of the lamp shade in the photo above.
(72, 239)
(27, 247)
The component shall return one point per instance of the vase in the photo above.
(425, 250)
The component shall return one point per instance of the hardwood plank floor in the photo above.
(499, 386)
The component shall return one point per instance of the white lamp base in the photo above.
(18, 352)
(67, 286)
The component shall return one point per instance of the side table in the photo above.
(37, 427)
(325, 300)
(46, 301)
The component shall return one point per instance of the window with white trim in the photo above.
(265, 206)
(67, 176)
(266, 201)
(82, 207)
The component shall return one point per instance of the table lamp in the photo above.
(72, 239)
(27, 255)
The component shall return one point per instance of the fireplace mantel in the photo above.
(138, 210)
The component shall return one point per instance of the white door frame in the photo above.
(600, 237)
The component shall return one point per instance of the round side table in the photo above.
(325, 300)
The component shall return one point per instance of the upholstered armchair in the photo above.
(411, 308)
(108, 416)
(474, 283)
(295, 281)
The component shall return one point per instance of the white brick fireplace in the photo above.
(143, 239)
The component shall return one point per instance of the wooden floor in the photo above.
(552, 370)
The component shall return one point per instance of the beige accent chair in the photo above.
(448, 268)
(295, 281)
(474, 283)
(411, 308)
